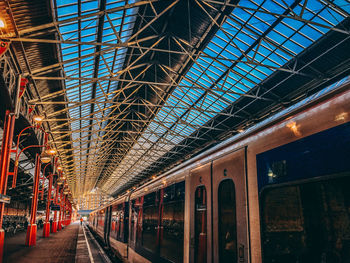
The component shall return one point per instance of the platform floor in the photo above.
(71, 244)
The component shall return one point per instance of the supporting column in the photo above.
(59, 226)
(32, 228)
(54, 222)
(46, 230)
(67, 212)
(4, 168)
(64, 210)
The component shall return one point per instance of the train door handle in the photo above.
(241, 253)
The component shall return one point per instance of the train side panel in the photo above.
(319, 118)
(119, 230)
(220, 185)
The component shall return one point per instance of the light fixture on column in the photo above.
(38, 118)
(2, 23)
(51, 151)
(45, 158)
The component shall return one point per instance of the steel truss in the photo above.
(112, 143)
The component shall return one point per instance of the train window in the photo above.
(150, 222)
(117, 225)
(200, 224)
(307, 223)
(101, 218)
(227, 222)
(171, 247)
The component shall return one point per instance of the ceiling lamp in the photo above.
(45, 158)
(38, 118)
(51, 151)
(2, 23)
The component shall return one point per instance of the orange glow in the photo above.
(45, 158)
(59, 168)
(51, 151)
(38, 118)
(341, 117)
(2, 23)
(294, 128)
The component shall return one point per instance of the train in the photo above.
(276, 192)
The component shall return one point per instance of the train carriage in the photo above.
(277, 192)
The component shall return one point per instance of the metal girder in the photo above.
(115, 132)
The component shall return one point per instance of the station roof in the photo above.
(130, 88)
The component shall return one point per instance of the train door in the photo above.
(230, 232)
(107, 226)
(135, 226)
(200, 218)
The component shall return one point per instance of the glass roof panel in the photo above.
(258, 38)
(260, 42)
(83, 65)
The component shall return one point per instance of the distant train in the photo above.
(277, 192)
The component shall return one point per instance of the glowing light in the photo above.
(59, 168)
(154, 177)
(51, 151)
(38, 118)
(2, 23)
(341, 117)
(294, 128)
(45, 158)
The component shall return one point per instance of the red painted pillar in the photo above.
(9, 125)
(65, 210)
(46, 230)
(32, 228)
(70, 213)
(54, 222)
(61, 210)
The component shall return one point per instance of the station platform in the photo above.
(74, 243)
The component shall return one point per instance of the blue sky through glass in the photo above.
(257, 39)
(240, 54)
